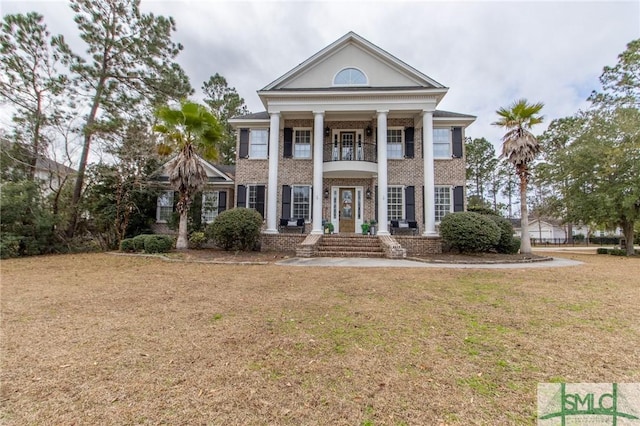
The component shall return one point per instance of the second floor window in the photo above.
(442, 142)
(394, 144)
(258, 146)
(302, 143)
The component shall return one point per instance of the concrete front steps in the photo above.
(349, 245)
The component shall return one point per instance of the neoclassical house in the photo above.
(350, 135)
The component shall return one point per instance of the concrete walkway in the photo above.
(403, 263)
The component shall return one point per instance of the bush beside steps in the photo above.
(148, 243)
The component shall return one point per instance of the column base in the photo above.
(383, 233)
(316, 232)
(270, 231)
(430, 234)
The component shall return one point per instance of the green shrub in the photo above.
(237, 228)
(197, 239)
(158, 243)
(9, 246)
(469, 232)
(505, 243)
(514, 248)
(602, 250)
(578, 238)
(617, 252)
(139, 241)
(127, 245)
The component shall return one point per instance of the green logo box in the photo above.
(592, 404)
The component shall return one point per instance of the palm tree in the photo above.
(190, 130)
(520, 148)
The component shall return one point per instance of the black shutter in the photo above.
(422, 150)
(288, 143)
(222, 201)
(375, 196)
(286, 202)
(458, 199)
(410, 202)
(244, 143)
(241, 199)
(457, 142)
(196, 209)
(408, 142)
(260, 199)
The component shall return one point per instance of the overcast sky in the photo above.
(488, 53)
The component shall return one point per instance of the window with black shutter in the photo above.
(409, 145)
(244, 143)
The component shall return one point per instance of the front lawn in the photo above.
(103, 339)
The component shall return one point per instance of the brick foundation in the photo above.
(281, 242)
(420, 246)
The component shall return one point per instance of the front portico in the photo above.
(354, 136)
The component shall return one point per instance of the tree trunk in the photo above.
(525, 241)
(183, 240)
(627, 230)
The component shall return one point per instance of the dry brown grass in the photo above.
(102, 339)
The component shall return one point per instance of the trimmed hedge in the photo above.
(469, 232)
(238, 228)
(602, 250)
(505, 243)
(149, 243)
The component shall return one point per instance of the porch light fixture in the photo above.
(368, 131)
(327, 131)
(368, 193)
(326, 193)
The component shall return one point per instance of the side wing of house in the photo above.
(352, 135)
(217, 195)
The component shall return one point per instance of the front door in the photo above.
(347, 210)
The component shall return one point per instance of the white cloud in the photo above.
(488, 53)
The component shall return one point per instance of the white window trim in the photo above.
(158, 206)
(251, 132)
(293, 147)
(450, 188)
(366, 78)
(215, 208)
(402, 202)
(448, 156)
(402, 139)
(308, 218)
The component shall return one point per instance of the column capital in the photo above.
(425, 112)
(382, 111)
(318, 112)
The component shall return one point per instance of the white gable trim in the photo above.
(340, 44)
(209, 168)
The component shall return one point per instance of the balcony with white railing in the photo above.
(350, 159)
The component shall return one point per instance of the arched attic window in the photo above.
(350, 77)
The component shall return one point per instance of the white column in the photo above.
(383, 226)
(429, 175)
(318, 141)
(272, 185)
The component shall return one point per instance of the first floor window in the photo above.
(302, 143)
(164, 208)
(301, 202)
(442, 202)
(442, 142)
(395, 202)
(394, 144)
(209, 206)
(258, 139)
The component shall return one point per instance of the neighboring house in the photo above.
(350, 135)
(215, 197)
(52, 174)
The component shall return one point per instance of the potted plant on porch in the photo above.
(372, 226)
(328, 228)
(365, 228)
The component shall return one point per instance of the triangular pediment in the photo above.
(380, 69)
